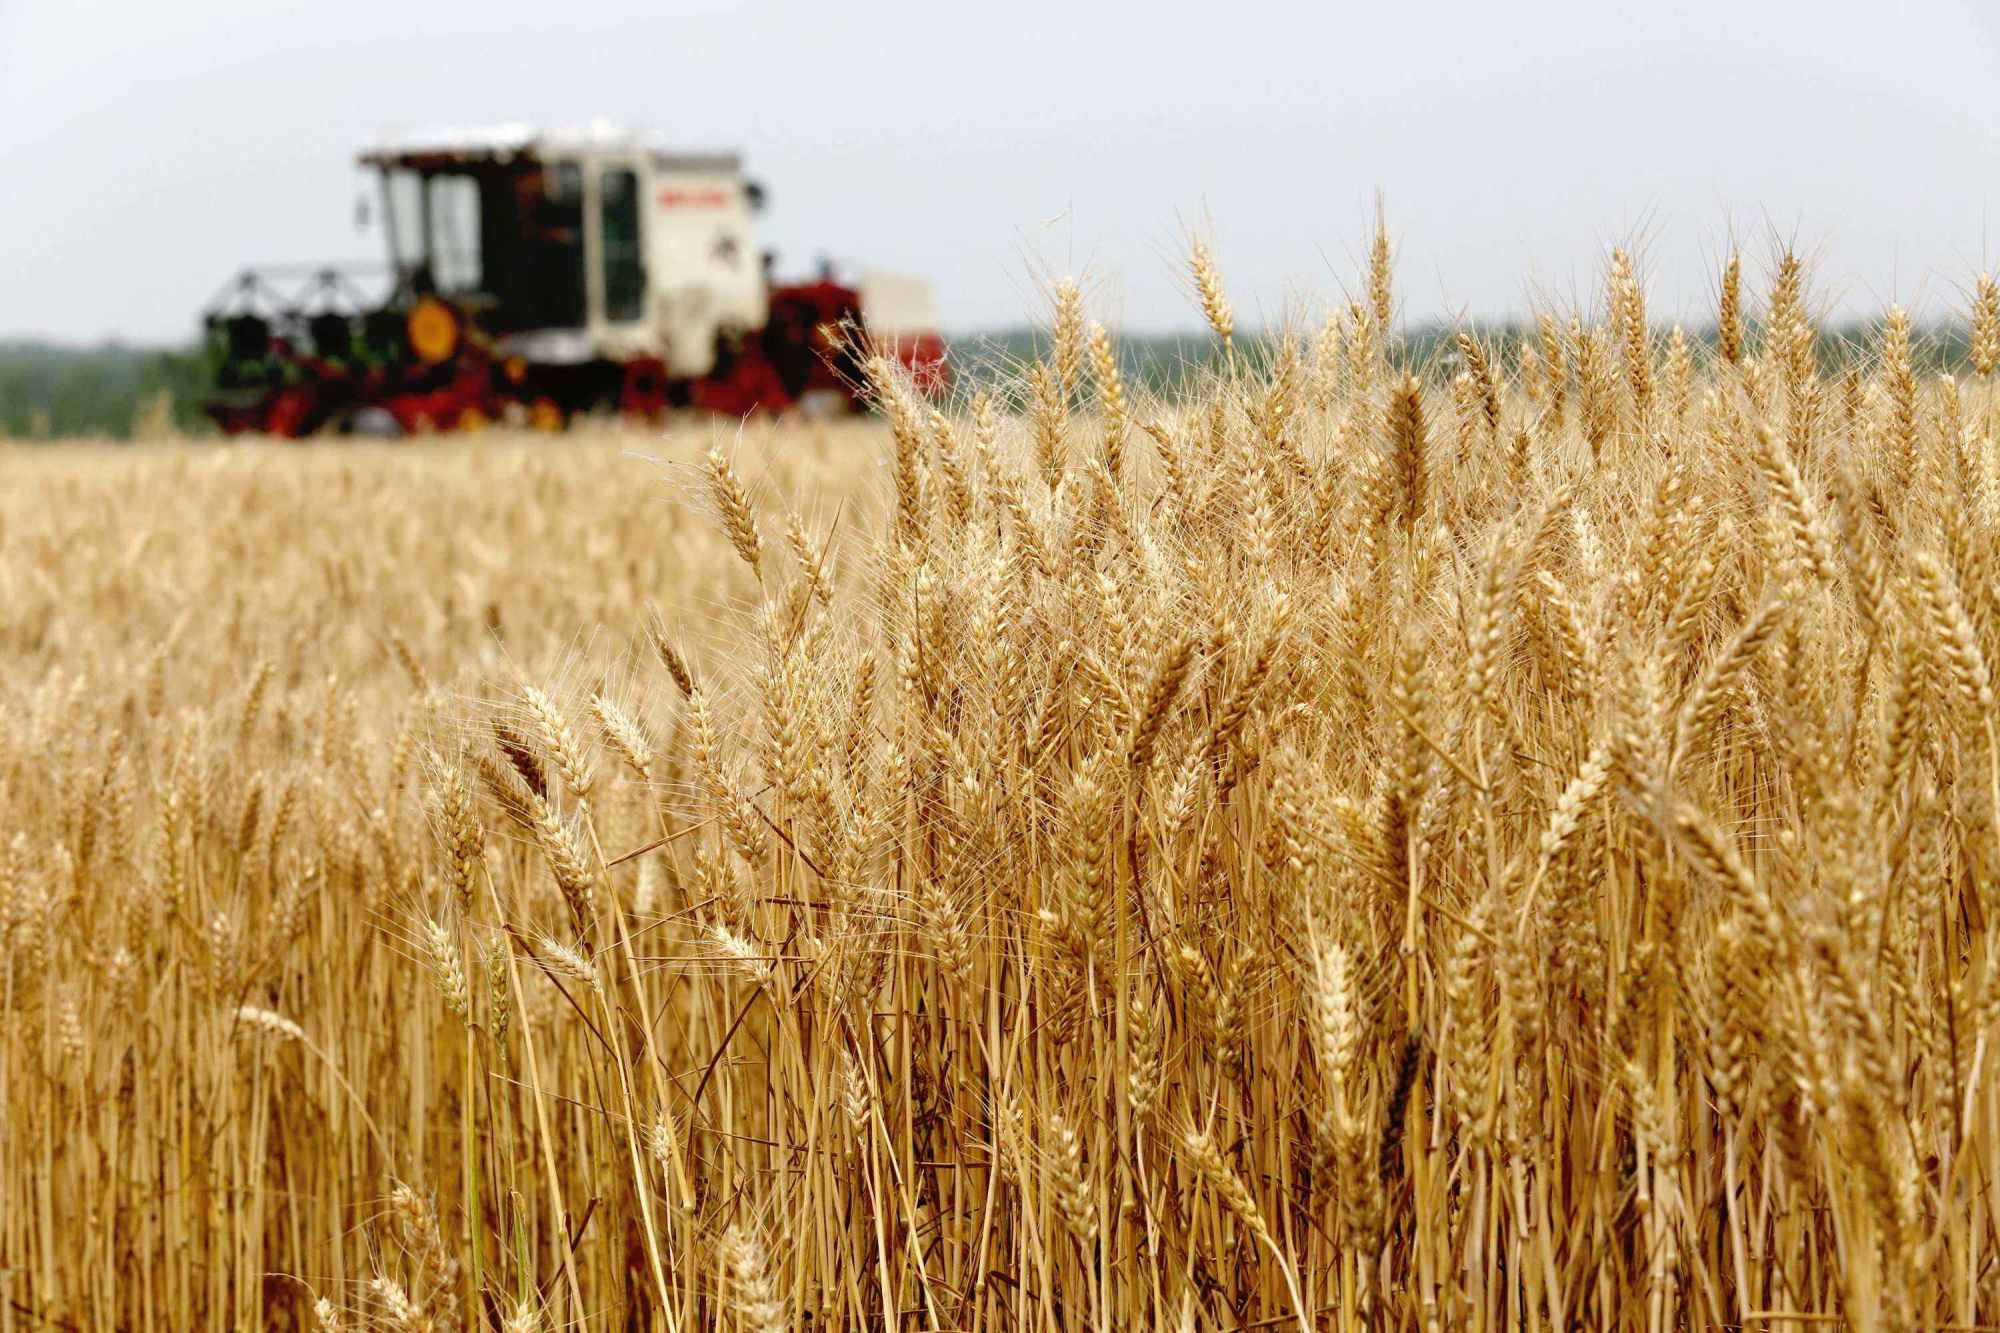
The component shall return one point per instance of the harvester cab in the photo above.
(538, 275)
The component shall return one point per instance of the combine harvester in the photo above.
(536, 276)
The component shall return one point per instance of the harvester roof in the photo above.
(443, 146)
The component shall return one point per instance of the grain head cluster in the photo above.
(1503, 842)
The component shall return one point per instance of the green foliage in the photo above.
(56, 391)
(1162, 362)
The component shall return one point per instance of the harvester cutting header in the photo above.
(539, 275)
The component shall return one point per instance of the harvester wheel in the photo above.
(749, 384)
(643, 393)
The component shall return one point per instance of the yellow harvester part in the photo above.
(433, 330)
(543, 414)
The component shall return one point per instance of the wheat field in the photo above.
(1506, 842)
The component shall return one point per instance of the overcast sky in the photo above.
(149, 148)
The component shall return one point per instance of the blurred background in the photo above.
(150, 150)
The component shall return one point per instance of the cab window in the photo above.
(624, 267)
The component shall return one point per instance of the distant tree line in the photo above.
(118, 391)
(51, 391)
(1160, 362)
